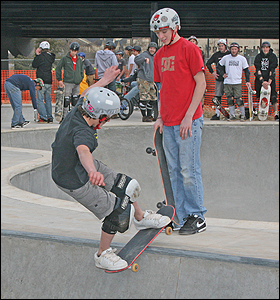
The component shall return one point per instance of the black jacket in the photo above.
(266, 64)
(43, 63)
(215, 58)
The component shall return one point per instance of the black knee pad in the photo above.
(67, 101)
(75, 99)
(119, 218)
(120, 184)
(230, 101)
(239, 102)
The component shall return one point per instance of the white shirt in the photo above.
(234, 66)
(130, 62)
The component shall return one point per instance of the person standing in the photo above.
(72, 76)
(234, 65)
(13, 87)
(89, 69)
(179, 67)
(218, 74)
(43, 61)
(121, 66)
(145, 82)
(265, 64)
(105, 59)
(131, 64)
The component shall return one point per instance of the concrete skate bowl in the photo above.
(239, 183)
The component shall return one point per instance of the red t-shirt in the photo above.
(174, 67)
(74, 61)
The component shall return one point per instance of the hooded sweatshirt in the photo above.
(266, 64)
(43, 63)
(104, 59)
(146, 71)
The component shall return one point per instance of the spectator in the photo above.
(234, 65)
(265, 64)
(72, 77)
(194, 40)
(105, 59)
(121, 65)
(89, 69)
(179, 67)
(43, 61)
(145, 82)
(218, 74)
(131, 64)
(107, 194)
(13, 87)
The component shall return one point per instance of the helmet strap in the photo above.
(100, 121)
(172, 37)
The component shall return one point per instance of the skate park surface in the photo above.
(48, 239)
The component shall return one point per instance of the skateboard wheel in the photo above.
(149, 150)
(159, 205)
(135, 267)
(168, 230)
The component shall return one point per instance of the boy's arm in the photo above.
(96, 178)
(186, 124)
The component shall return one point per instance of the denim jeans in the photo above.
(132, 93)
(14, 95)
(183, 160)
(44, 102)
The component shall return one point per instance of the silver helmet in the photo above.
(101, 101)
(164, 18)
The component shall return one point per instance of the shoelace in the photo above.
(112, 255)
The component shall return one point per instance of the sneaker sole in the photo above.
(193, 232)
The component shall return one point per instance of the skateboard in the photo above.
(250, 102)
(161, 158)
(141, 240)
(220, 107)
(264, 103)
(58, 113)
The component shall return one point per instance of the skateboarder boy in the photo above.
(234, 65)
(106, 193)
(218, 74)
(265, 64)
(72, 76)
(179, 67)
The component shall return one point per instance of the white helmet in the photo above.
(101, 101)
(45, 45)
(222, 41)
(164, 18)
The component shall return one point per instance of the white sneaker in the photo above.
(151, 220)
(133, 190)
(109, 260)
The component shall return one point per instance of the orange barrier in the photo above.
(207, 99)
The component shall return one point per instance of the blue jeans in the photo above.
(183, 160)
(14, 95)
(132, 93)
(45, 107)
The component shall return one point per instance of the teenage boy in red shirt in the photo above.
(179, 67)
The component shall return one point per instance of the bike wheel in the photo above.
(154, 110)
(125, 109)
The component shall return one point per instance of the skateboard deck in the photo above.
(58, 113)
(141, 240)
(264, 103)
(220, 107)
(250, 102)
(164, 173)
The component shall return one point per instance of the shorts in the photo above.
(96, 199)
(219, 88)
(147, 90)
(233, 90)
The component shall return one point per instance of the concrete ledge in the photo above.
(63, 268)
